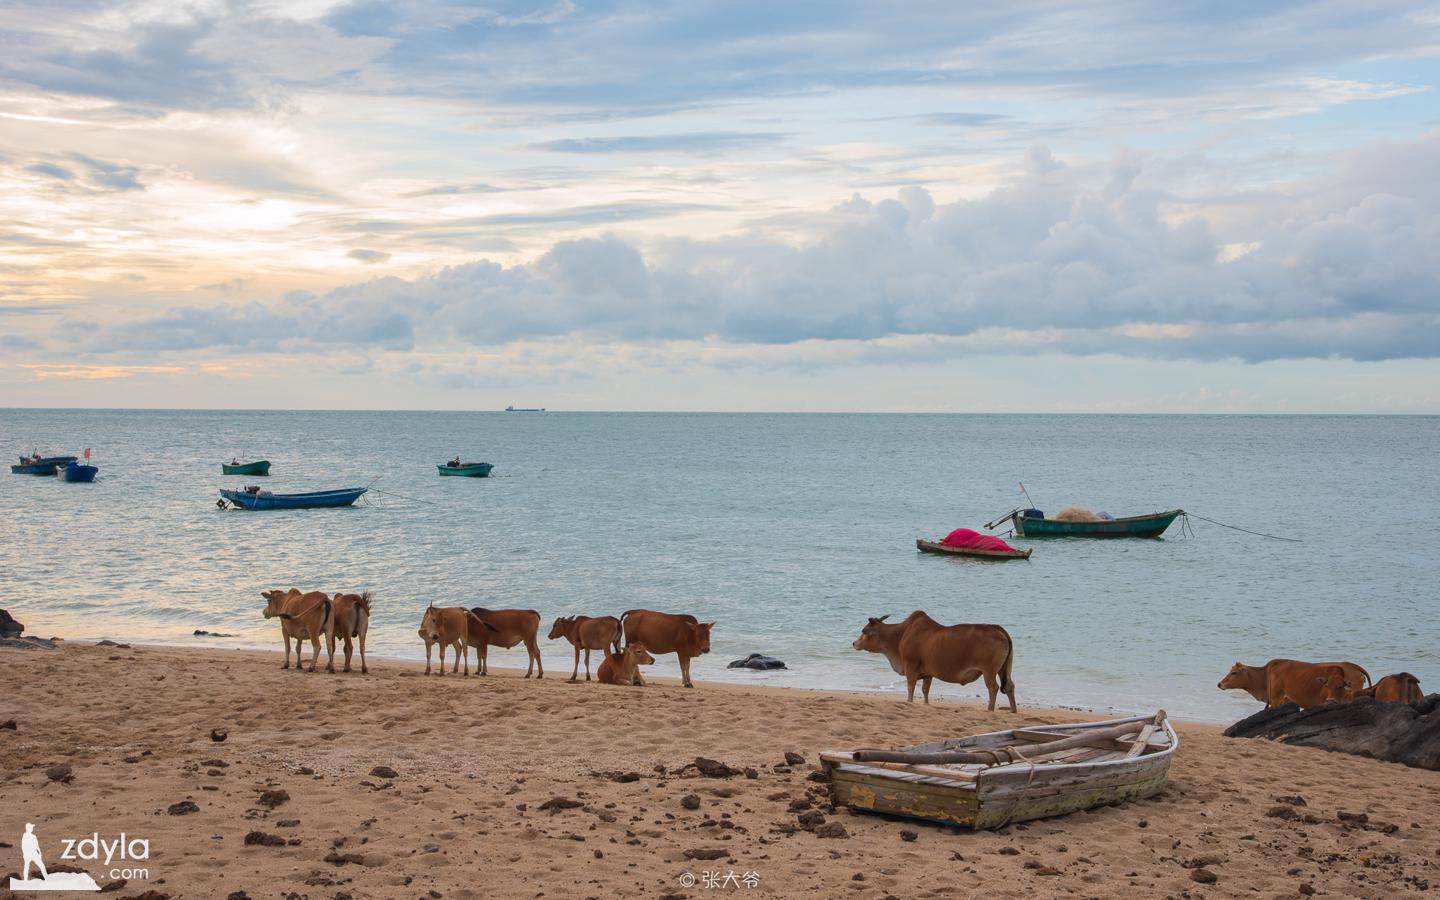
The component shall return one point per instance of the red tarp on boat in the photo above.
(974, 540)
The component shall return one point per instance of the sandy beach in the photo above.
(503, 787)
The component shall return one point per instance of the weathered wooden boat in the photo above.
(259, 467)
(467, 470)
(80, 472)
(992, 780)
(1147, 526)
(257, 498)
(33, 468)
(947, 550)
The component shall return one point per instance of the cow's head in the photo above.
(702, 637)
(869, 639)
(561, 626)
(1237, 677)
(1334, 687)
(430, 624)
(642, 657)
(274, 602)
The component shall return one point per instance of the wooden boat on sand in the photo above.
(467, 470)
(992, 780)
(1147, 526)
(258, 498)
(977, 552)
(259, 467)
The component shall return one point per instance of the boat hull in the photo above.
(33, 469)
(991, 796)
(1150, 526)
(470, 470)
(945, 550)
(78, 472)
(313, 500)
(260, 467)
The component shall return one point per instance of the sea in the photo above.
(787, 531)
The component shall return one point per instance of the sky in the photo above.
(831, 206)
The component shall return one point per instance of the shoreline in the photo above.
(507, 787)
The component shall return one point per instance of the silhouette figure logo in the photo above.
(34, 864)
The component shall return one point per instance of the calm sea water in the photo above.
(787, 530)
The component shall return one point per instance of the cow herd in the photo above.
(1311, 684)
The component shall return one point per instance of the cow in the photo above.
(303, 616)
(624, 667)
(682, 635)
(1402, 687)
(505, 628)
(1287, 679)
(922, 649)
(447, 626)
(584, 632)
(1334, 686)
(350, 614)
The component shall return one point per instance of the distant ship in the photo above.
(524, 409)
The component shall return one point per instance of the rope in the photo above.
(1274, 537)
(1029, 780)
(401, 496)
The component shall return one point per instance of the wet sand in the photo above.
(477, 762)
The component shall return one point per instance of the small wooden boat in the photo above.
(947, 550)
(467, 470)
(33, 468)
(992, 780)
(78, 471)
(259, 467)
(1148, 526)
(256, 498)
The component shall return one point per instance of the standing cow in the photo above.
(583, 632)
(922, 649)
(447, 626)
(1283, 680)
(505, 628)
(350, 616)
(682, 635)
(303, 616)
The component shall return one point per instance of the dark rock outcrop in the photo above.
(8, 626)
(1406, 733)
(757, 661)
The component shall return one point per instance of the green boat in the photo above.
(467, 470)
(259, 467)
(1032, 526)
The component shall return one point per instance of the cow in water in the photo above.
(922, 649)
(682, 635)
(505, 628)
(350, 615)
(624, 667)
(304, 616)
(1283, 680)
(583, 632)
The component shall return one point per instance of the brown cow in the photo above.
(447, 626)
(624, 668)
(584, 632)
(303, 616)
(681, 635)
(1281, 678)
(922, 649)
(505, 628)
(1334, 687)
(1402, 687)
(350, 614)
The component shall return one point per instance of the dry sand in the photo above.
(476, 761)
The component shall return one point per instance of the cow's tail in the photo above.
(364, 617)
(1368, 682)
(1007, 684)
(325, 616)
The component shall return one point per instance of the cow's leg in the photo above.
(363, 630)
(314, 651)
(349, 650)
(533, 652)
(330, 647)
(993, 686)
(575, 675)
(286, 638)
(482, 652)
(925, 688)
(587, 663)
(912, 674)
(684, 670)
(455, 650)
(443, 645)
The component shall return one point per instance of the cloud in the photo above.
(1071, 260)
(704, 143)
(368, 256)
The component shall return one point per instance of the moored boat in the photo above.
(1146, 526)
(524, 409)
(80, 472)
(33, 468)
(977, 552)
(257, 498)
(992, 780)
(259, 467)
(467, 470)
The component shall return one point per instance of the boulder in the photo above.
(1406, 733)
(757, 661)
(8, 626)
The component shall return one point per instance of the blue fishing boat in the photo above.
(52, 460)
(1031, 523)
(33, 468)
(257, 498)
(78, 471)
